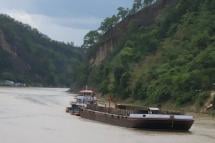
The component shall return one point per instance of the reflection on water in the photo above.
(37, 115)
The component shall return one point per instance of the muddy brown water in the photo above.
(37, 115)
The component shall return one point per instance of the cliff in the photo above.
(143, 18)
(164, 53)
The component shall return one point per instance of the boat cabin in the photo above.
(153, 110)
(86, 97)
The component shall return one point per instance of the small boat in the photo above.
(129, 116)
(84, 98)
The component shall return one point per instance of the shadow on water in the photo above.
(163, 131)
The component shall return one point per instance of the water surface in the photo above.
(37, 115)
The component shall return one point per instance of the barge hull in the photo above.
(124, 121)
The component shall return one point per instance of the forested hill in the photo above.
(27, 56)
(171, 59)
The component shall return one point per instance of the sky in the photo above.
(62, 20)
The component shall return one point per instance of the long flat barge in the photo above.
(145, 121)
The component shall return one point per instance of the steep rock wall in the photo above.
(143, 18)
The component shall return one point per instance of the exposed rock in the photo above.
(143, 18)
(210, 102)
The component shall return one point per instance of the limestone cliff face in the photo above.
(143, 18)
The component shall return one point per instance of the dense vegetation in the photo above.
(27, 56)
(93, 37)
(171, 60)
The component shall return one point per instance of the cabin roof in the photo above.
(154, 109)
(86, 91)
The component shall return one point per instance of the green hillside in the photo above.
(30, 57)
(171, 60)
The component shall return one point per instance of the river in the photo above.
(37, 115)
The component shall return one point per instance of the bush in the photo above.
(184, 98)
(201, 98)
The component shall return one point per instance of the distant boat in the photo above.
(128, 116)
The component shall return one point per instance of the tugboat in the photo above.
(84, 98)
(85, 106)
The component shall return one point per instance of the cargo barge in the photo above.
(128, 116)
(131, 119)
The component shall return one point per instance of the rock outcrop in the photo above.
(143, 18)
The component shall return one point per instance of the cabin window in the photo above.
(149, 112)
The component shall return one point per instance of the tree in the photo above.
(91, 38)
(122, 13)
(137, 5)
(147, 2)
(109, 23)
